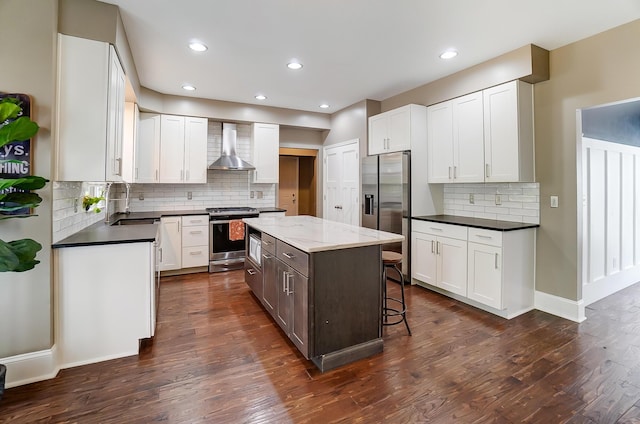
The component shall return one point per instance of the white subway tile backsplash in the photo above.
(520, 202)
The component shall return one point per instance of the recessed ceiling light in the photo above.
(198, 47)
(261, 97)
(324, 106)
(188, 87)
(449, 54)
(294, 65)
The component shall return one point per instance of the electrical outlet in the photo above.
(252, 194)
(189, 195)
(553, 200)
(75, 205)
(498, 199)
(472, 200)
(259, 195)
(141, 196)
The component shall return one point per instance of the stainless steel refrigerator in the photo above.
(386, 194)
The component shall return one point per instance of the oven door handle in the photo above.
(219, 222)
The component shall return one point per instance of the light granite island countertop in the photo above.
(311, 234)
(321, 282)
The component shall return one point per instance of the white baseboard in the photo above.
(30, 367)
(564, 308)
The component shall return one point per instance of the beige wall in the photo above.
(27, 66)
(528, 63)
(600, 69)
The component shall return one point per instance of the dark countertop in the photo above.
(487, 224)
(101, 233)
(267, 210)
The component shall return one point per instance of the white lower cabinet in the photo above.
(440, 255)
(493, 270)
(170, 243)
(104, 301)
(195, 241)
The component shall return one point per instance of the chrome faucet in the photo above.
(107, 199)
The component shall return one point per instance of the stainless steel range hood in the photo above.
(229, 160)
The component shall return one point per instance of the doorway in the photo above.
(297, 181)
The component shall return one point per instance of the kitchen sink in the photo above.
(136, 221)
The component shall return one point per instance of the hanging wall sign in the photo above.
(18, 152)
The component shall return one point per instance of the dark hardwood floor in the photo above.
(219, 358)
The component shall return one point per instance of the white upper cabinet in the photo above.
(147, 149)
(396, 130)
(440, 146)
(265, 147)
(129, 141)
(468, 138)
(195, 150)
(508, 132)
(183, 149)
(486, 136)
(90, 111)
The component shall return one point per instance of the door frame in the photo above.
(305, 152)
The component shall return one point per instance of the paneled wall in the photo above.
(611, 217)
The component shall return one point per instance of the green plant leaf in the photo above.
(24, 250)
(3, 216)
(9, 110)
(8, 259)
(18, 200)
(22, 128)
(30, 182)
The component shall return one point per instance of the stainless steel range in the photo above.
(225, 252)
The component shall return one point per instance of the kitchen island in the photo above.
(321, 282)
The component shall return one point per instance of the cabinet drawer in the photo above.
(293, 257)
(490, 237)
(268, 243)
(253, 277)
(195, 236)
(195, 256)
(445, 230)
(192, 220)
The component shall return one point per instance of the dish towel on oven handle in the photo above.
(236, 230)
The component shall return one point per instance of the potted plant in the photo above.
(16, 196)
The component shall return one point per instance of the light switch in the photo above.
(471, 199)
(554, 201)
(498, 199)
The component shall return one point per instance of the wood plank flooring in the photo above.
(219, 358)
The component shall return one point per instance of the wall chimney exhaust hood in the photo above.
(229, 160)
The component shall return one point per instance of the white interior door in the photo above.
(342, 182)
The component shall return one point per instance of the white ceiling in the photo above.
(351, 49)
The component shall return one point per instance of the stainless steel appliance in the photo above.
(386, 192)
(226, 254)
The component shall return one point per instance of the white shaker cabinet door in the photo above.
(265, 146)
(195, 150)
(468, 139)
(147, 149)
(424, 262)
(452, 270)
(485, 274)
(171, 149)
(440, 142)
(171, 243)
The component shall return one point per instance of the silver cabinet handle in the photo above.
(450, 173)
(178, 226)
(195, 252)
(284, 281)
(433, 242)
(265, 256)
(136, 173)
(496, 264)
(486, 170)
(289, 290)
(267, 243)
(483, 236)
(455, 172)
(156, 178)
(435, 228)
(437, 248)
(251, 271)
(160, 252)
(195, 232)
(288, 255)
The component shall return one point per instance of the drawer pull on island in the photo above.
(251, 271)
(288, 255)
